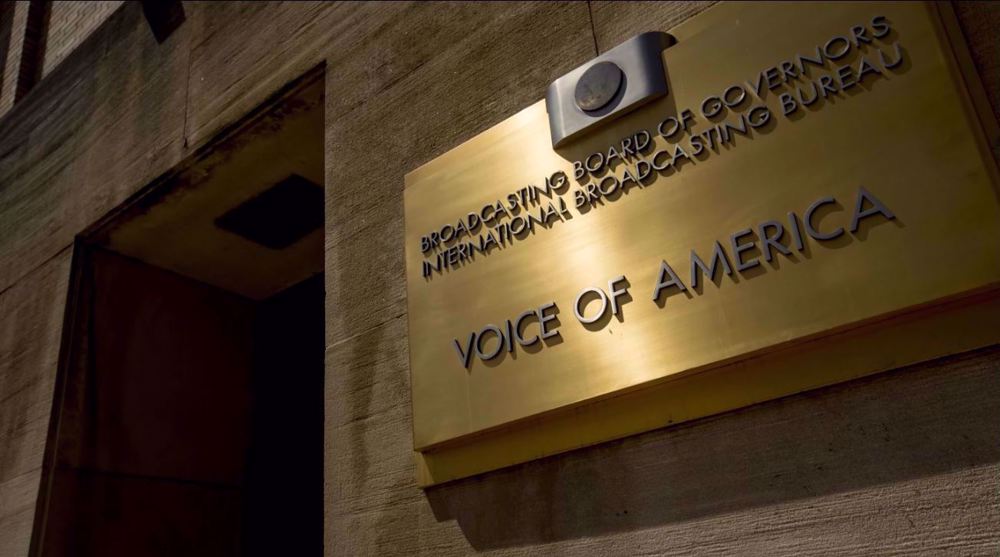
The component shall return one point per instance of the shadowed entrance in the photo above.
(189, 409)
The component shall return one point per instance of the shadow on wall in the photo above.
(917, 421)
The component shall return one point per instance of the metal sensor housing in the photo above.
(607, 87)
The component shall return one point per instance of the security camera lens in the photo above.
(598, 86)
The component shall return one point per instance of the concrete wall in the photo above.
(901, 463)
(70, 23)
(13, 21)
(31, 313)
(67, 25)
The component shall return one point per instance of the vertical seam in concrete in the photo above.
(187, 94)
(593, 28)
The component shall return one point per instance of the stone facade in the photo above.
(904, 462)
(69, 24)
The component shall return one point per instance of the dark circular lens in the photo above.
(598, 85)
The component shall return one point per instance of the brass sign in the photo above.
(814, 171)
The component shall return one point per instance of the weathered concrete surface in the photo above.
(94, 131)
(29, 351)
(70, 23)
(14, 18)
(616, 22)
(17, 511)
(233, 71)
(31, 320)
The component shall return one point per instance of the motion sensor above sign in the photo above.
(611, 85)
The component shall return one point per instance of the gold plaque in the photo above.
(814, 190)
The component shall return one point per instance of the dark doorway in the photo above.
(283, 495)
(188, 417)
